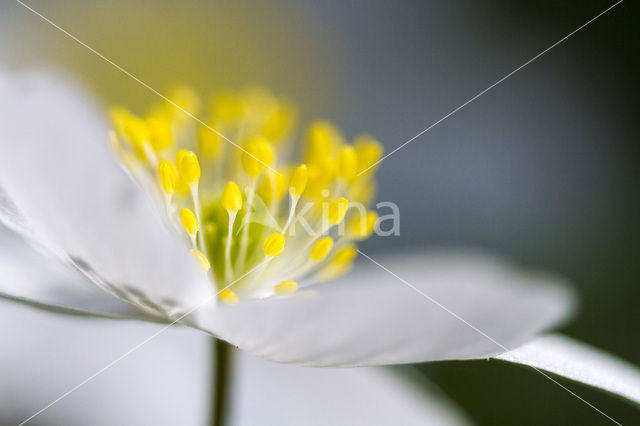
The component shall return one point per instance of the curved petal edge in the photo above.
(580, 362)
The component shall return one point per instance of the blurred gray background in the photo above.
(542, 169)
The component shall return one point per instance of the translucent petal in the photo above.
(370, 317)
(581, 362)
(60, 186)
(40, 280)
(167, 381)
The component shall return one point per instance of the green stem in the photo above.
(222, 357)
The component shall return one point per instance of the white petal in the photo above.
(335, 396)
(371, 317)
(581, 362)
(165, 382)
(60, 186)
(40, 280)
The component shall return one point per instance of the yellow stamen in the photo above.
(286, 287)
(168, 176)
(189, 221)
(324, 138)
(229, 107)
(361, 227)
(231, 197)
(136, 131)
(228, 297)
(298, 181)
(368, 151)
(160, 134)
(119, 117)
(210, 143)
(257, 155)
(186, 98)
(272, 187)
(188, 166)
(321, 249)
(273, 245)
(336, 211)
(345, 255)
(202, 260)
(347, 163)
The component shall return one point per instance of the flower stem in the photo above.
(221, 366)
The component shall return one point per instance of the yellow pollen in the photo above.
(228, 297)
(231, 197)
(210, 143)
(345, 255)
(136, 131)
(286, 287)
(189, 221)
(201, 259)
(298, 181)
(272, 187)
(273, 245)
(188, 166)
(368, 151)
(229, 107)
(168, 176)
(324, 138)
(347, 163)
(337, 209)
(258, 154)
(160, 134)
(186, 98)
(360, 227)
(321, 249)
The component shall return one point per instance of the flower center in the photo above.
(258, 223)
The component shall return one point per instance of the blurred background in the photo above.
(542, 169)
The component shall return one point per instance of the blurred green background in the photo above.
(542, 169)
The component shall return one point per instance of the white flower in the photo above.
(61, 190)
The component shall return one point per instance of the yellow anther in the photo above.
(189, 221)
(298, 181)
(286, 287)
(228, 297)
(228, 107)
(369, 151)
(231, 197)
(361, 227)
(160, 134)
(188, 166)
(257, 155)
(345, 255)
(337, 209)
(272, 187)
(347, 163)
(324, 139)
(186, 99)
(273, 245)
(119, 117)
(137, 131)
(321, 249)
(280, 122)
(341, 262)
(168, 176)
(320, 177)
(202, 260)
(210, 143)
